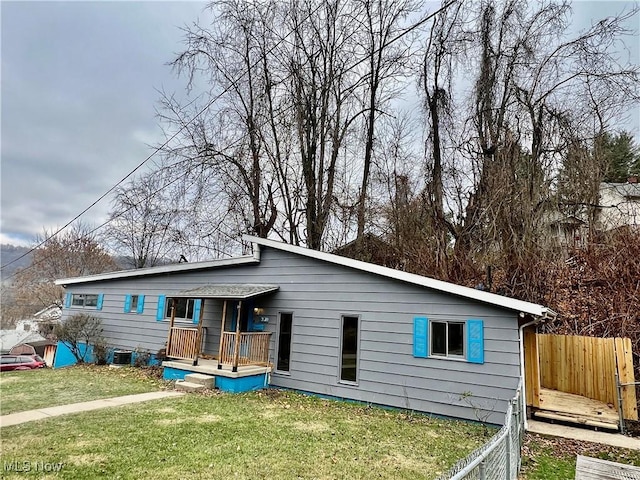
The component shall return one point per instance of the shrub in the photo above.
(141, 357)
(78, 332)
(101, 352)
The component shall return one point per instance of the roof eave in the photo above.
(165, 269)
(440, 285)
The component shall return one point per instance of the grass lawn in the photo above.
(270, 434)
(548, 458)
(28, 390)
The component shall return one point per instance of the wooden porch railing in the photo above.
(183, 343)
(253, 348)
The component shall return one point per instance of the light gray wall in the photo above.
(318, 294)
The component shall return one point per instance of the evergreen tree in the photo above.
(621, 154)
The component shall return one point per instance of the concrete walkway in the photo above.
(586, 435)
(39, 414)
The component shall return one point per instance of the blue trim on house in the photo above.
(140, 308)
(475, 340)
(420, 337)
(169, 373)
(64, 357)
(241, 384)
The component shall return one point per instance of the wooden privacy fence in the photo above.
(253, 348)
(584, 366)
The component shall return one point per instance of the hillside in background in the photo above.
(8, 253)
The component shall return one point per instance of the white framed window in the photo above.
(447, 339)
(84, 300)
(184, 309)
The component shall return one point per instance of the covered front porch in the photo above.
(243, 345)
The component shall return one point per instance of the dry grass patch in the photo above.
(88, 459)
(314, 427)
(208, 419)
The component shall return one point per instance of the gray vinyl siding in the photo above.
(318, 294)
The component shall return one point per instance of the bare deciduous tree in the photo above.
(72, 253)
(143, 221)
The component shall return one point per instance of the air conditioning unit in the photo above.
(122, 357)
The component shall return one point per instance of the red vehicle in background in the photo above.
(21, 362)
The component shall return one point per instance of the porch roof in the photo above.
(233, 291)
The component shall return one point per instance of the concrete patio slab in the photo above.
(586, 435)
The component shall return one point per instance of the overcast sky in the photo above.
(79, 88)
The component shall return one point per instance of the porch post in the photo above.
(199, 334)
(173, 317)
(236, 352)
(224, 316)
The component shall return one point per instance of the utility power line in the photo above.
(195, 117)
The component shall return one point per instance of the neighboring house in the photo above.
(11, 338)
(567, 231)
(619, 205)
(47, 316)
(45, 348)
(373, 249)
(317, 322)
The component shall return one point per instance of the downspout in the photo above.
(256, 251)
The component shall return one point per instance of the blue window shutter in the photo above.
(160, 312)
(197, 305)
(420, 337)
(127, 303)
(100, 299)
(67, 300)
(140, 308)
(475, 341)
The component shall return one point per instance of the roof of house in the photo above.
(173, 268)
(52, 312)
(11, 338)
(439, 285)
(227, 291)
(459, 290)
(626, 190)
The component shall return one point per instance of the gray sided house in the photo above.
(320, 323)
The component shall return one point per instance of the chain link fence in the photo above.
(499, 458)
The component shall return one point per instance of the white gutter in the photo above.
(439, 285)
